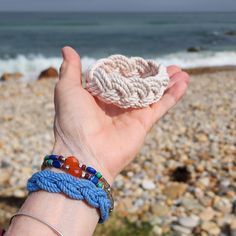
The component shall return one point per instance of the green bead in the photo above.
(99, 185)
(98, 175)
(46, 158)
(49, 162)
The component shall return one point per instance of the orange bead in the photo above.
(71, 161)
(75, 171)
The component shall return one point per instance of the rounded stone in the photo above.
(181, 229)
(157, 230)
(160, 209)
(19, 193)
(211, 228)
(148, 185)
(189, 222)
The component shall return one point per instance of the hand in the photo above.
(103, 135)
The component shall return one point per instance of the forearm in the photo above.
(71, 217)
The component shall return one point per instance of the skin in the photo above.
(98, 134)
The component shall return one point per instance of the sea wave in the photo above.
(200, 59)
(31, 66)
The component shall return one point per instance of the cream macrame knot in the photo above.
(127, 82)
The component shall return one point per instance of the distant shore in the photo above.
(209, 70)
(48, 72)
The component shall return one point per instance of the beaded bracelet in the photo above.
(72, 166)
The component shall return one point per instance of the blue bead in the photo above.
(94, 179)
(91, 170)
(56, 164)
(53, 157)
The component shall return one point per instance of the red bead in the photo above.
(75, 171)
(71, 161)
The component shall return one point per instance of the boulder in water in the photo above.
(194, 49)
(10, 76)
(230, 33)
(48, 73)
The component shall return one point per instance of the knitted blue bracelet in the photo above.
(79, 189)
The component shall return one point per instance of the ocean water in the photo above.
(31, 42)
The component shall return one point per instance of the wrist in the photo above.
(83, 158)
(65, 214)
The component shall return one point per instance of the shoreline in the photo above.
(209, 70)
(16, 76)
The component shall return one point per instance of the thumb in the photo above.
(70, 70)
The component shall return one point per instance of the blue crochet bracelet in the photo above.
(79, 189)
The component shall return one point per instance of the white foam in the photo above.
(200, 59)
(31, 66)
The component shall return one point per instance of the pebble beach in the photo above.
(183, 181)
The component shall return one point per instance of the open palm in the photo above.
(103, 135)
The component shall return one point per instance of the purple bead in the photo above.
(56, 164)
(83, 167)
(53, 157)
(94, 179)
(61, 158)
(91, 170)
(86, 176)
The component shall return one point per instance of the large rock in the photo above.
(230, 33)
(194, 49)
(48, 73)
(10, 76)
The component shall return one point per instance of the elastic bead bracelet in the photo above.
(37, 219)
(75, 188)
(72, 166)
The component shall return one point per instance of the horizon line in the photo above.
(59, 11)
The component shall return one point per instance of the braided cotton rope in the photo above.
(127, 82)
(79, 189)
